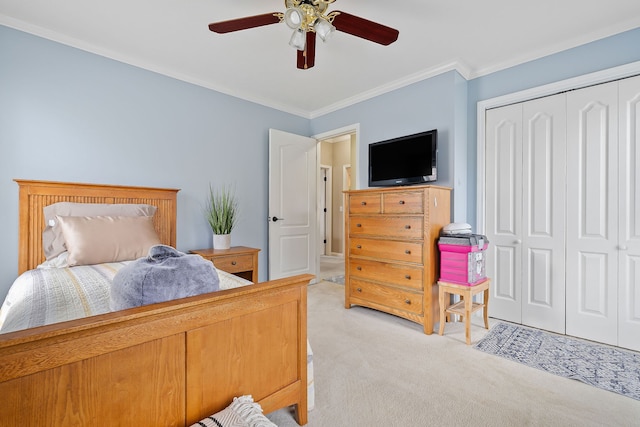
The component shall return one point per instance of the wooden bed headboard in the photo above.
(35, 195)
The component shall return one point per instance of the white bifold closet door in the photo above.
(629, 215)
(525, 214)
(603, 240)
(592, 213)
(563, 212)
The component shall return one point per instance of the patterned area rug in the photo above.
(605, 367)
(336, 279)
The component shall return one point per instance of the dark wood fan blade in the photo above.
(365, 29)
(307, 57)
(244, 23)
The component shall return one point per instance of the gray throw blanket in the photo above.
(165, 274)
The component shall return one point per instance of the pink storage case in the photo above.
(463, 264)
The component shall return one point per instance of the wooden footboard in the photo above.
(167, 364)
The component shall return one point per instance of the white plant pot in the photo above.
(221, 241)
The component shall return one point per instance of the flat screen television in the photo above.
(407, 160)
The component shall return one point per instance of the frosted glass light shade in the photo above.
(293, 18)
(324, 29)
(298, 39)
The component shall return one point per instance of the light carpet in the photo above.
(375, 369)
(602, 366)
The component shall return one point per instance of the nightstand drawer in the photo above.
(234, 264)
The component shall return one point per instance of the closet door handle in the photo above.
(623, 248)
(517, 242)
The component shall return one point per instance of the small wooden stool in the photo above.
(465, 307)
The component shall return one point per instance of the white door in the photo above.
(592, 213)
(525, 212)
(543, 213)
(504, 211)
(629, 216)
(293, 247)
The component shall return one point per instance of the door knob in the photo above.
(276, 219)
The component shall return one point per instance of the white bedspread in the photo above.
(51, 295)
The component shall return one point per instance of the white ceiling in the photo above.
(171, 37)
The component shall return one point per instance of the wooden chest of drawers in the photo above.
(391, 254)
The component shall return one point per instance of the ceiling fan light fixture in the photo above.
(293, 17)
(298, 39)
(324, 29)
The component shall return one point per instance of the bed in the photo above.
(172, 363)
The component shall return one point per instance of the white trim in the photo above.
(457, 66)
(585, 80)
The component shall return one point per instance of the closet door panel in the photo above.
(543, 267)
(629, 215)
(592, 206)
(504, 211)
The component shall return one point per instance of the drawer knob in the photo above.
(358, 225)
(407, 301)
(408, 277)
(358, 246)
(359, 268)
(363, 203)
(359, 289)
(408, 227)
(233, 263)
(401, 202)
(407, 251)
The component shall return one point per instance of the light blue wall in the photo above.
(623, 48)
(425, 105)
(68, 115)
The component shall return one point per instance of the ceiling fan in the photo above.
(307, 18)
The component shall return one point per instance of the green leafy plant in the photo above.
(222, 209)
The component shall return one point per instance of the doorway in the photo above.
(337, 168)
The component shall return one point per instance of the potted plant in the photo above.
(222, 214)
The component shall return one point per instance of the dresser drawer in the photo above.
(402, 275)
(365, 203)
(387, 296)
(409, 202)
(234, 264)
(409, 227)
(386, 249)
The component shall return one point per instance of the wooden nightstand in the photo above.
(239, 260)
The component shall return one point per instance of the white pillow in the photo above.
(53, 243)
